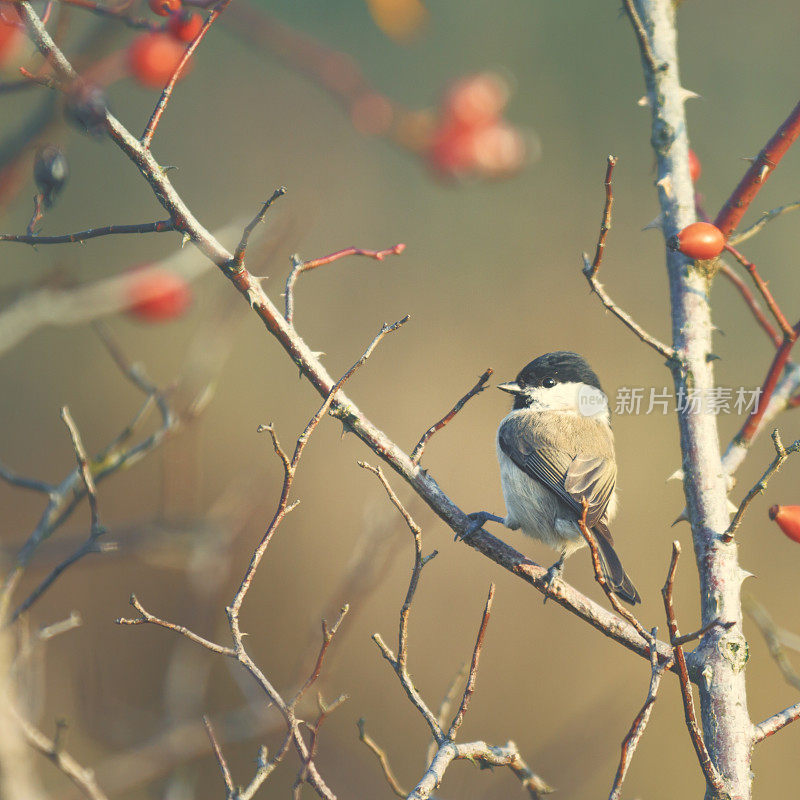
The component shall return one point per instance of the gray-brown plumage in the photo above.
(554, 455)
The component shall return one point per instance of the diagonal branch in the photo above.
(590, 270)
(781, 454)
(416, 453)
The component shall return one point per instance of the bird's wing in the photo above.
(573, 478)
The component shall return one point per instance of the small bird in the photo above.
(556, 450)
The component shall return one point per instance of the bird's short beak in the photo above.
(511, 387)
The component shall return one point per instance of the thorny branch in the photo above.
(238, 256)
(150, 130)
(781, 454)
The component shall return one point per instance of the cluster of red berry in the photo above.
(471, 137)
(153, 57)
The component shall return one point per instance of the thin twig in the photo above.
(781, 454)
(223, 764)
(399, 662)
(590, 270)
(631, 740)
(469, 689)
(83, 467)
(150, 129)
(762, 287)
(145, 617)
(291, 466)
(299, 267)
(771, 635)
(82, 777)
(416, 453)
(765, 218)
(162, 226)
(605, 224)
(238, 256)
(748, 297)
(710, 771)
(328, 632)
(383, 759)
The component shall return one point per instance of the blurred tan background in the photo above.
(491, 277)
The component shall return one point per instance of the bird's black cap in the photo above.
(563, 365)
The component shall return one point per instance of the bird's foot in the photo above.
(479, 519)
(553, 574)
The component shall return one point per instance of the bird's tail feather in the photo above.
(617, 578)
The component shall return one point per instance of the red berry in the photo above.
(700, 240)
(157, 296)
(695, 167)
(476, 100)
(184, 26)
(451, 150)
(788, 519)
(153, 57)
(164, 7)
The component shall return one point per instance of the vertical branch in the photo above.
(722, 653)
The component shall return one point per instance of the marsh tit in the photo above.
(556, 449)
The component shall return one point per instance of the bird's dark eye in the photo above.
(549, 383)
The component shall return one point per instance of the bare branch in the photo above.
(327, 637)
(761, 285)
(162, 226)
(781, 454)
(83, 468)
(710, 771)
(590, 270)
(631, 740)
(383, 759)
(82, 777)
(772, 636)
(299, 267)
(399, 662)
(765, 218)
(238, 256)
(223, 764)
(149, 131)
(145, 617)
(469, 689)
(485, 755)
(744, 290)
(776, 722)
(416, 453)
